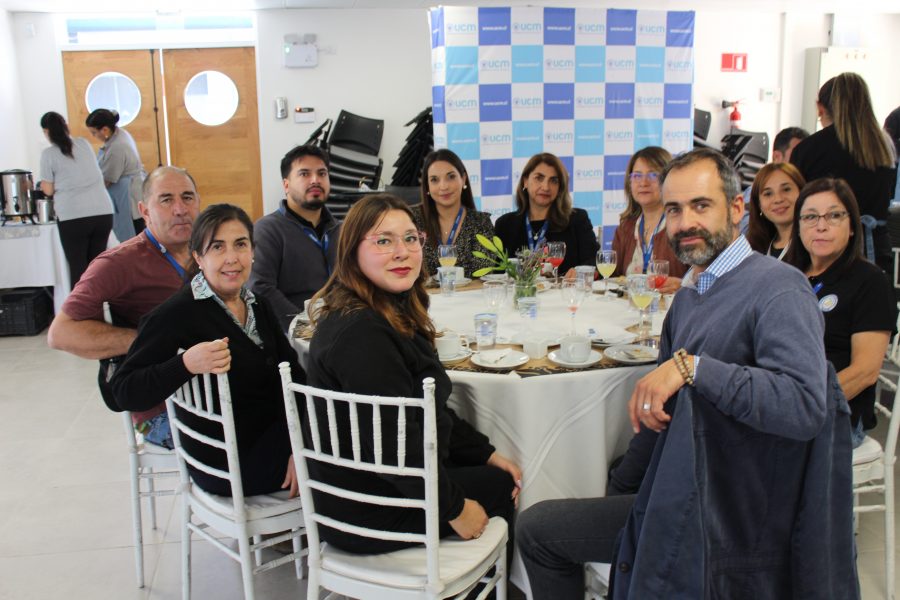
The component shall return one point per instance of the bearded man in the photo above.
(296, 246)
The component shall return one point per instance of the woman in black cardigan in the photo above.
(223, 328)
(374, 336)
(545, 214)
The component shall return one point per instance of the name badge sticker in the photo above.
(828, 303)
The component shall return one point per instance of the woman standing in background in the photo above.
(70, 174)
(122, 170)
(852, 146)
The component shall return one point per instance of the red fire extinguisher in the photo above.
(734, 117)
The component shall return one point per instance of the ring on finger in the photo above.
(645, 406)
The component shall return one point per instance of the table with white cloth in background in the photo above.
(33, 257)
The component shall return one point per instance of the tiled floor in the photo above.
(65, 521)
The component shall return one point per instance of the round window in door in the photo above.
(114, 91)
(211, 98)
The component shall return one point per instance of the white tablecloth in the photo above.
(32, 256)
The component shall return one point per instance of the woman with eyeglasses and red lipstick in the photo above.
(373, 336)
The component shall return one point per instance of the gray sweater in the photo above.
(288, 266)
(759, 333)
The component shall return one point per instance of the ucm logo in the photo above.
(457, 28)
(588, 100)
(588, 173)
(527, 27)
(619, 64)
(679, 65)
(462, 104)
(619, 136)
(559, 63)
(676, 135)
(591, 28)
(497, 138)
(527, 102)
(494, 65)
(558, 136)
(652, 29)
(649, 100)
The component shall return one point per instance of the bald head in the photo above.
(157, 173)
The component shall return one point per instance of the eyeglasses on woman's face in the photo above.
(650, 176)
(832, 218)
(386, 243)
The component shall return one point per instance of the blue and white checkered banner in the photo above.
(589, 85)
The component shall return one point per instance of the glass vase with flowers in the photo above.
(523, 269)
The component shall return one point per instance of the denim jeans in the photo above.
(857, 434)
(157, 431)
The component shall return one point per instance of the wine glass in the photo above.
(642, 294)
(555, 254)
(573, 293)
(658, 270)
(606, 264)
(447, 255)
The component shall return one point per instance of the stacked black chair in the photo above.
(419, 143)
(353, 146)
(702, 123)
(748, 150)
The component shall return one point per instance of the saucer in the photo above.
(510, 360)
(632, 354)
(557, 359)
(459, 282)
(453, 360)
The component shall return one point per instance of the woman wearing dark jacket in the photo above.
(853, 147)
(374, 336)
(222, 328)
(545, 214)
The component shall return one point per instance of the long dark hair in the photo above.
(761, 231)
(429, 210)
(847, 102)
(102, 117)
(58, 132)
(206, 225)
(348, 289)
(797, 254)
(561, 208)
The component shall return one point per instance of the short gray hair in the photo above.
(731, 182)
(159, 172)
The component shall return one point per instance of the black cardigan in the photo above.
(361, 353)
(153, 369)
(581, 243)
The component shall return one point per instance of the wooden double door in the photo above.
(223, 159)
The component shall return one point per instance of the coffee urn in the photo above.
(15, 194)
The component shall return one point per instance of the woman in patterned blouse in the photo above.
(447, 213)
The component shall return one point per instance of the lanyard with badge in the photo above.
(311, 234)
(165, 253)
(455, 226)
(647, 249)
(535, 239)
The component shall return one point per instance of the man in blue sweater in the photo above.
(747, 490)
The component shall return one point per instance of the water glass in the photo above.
(485, 330)
(447, 276)
(585, 275)
(494, 293)
(528, 310)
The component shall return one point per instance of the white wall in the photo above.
(380, 68)
(40, 77)
(376, 63)
(13, 153)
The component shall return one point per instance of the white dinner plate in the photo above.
(464, 353)
(557, 359)
(495, 277)
(510, 359)
(632, 354)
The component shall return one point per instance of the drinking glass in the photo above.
(658, 270)
(642, 294)
(606, 264)
(447, 255)
(528, 311)
(573, 293)
(494, 293)
(555, 254)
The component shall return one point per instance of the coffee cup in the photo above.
(575, 348)
(449, 345)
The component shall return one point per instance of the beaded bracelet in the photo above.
(680, 358)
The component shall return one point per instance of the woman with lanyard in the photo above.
(447, 213)
(641, 234)
(854, 295)
(852, 146)
(545, 214)
(122, 170)
(772, 197)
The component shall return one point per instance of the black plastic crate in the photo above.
(24, 311)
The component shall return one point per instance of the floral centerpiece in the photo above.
(523, 269)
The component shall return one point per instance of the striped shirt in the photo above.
(730, 258)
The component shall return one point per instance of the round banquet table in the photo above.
(562, 426)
